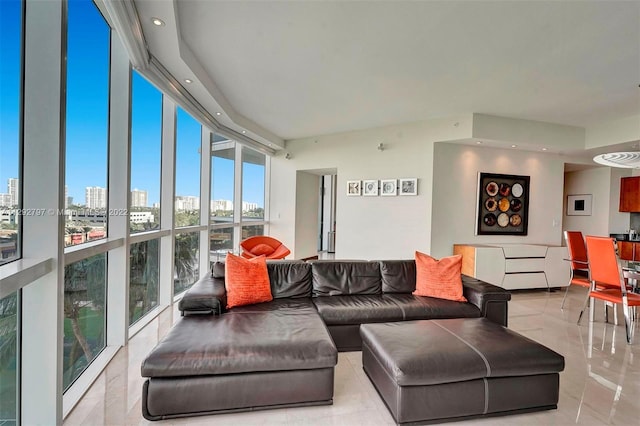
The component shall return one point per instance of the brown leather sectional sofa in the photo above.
(282, 353)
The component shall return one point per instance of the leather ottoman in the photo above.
(434, 370)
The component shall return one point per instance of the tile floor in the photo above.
(600, 384)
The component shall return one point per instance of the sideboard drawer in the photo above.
(524, 280)
(524, 265)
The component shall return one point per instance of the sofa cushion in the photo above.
(439, 278)
(274, 336)
(246, 281)
(359, 309)
(335, 278)
(289, 278)
(398, 276)
(421, 307)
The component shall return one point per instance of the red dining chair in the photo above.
(579, 262)
(606, 270)
(261, 245)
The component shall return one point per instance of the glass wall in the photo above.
(87, 123)
(187, 202)
(10, 119)
(186, 261)
(220, 242)
(253, 172)
(146, 151)
(143, 278)
(9, 359)
(85, 289)
(222, 180)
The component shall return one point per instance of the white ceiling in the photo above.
(301, 69)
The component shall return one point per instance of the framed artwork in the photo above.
(388, 187)
(409, 186)
(354, 188)
(579, 205)
(370, 188)
(503, 204)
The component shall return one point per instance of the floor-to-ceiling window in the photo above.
(253, 184)
(146, 142)
(87, 123)
(108, 148)
(11, 113)
(238, 202)
(11, 25)
(87, 132)
(187, 201)
(145, 196)
(223, 160)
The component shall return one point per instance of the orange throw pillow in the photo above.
(246, 281)
(439, 278)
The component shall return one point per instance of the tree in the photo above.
(84, 289)
(186, 260)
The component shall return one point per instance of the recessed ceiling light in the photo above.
(244, 131)
(218, 113)
(157, 22)
(514, 146)
(188, 80)
(479, 142)
(544, 149)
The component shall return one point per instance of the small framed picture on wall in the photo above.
(370, 188)
(354, 188)
(388, 187)
(409, 186)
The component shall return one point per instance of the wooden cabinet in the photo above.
(628, 250)
(630, 194)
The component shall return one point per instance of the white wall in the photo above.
(604, 184)
(597, 182)
(455, 184)
(367, 227)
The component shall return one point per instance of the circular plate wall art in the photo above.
(491, 204)
(503, 220)
(502, 204)
(517, 190)
(492, 189)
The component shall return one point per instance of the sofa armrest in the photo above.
(490, 299)
(207, 296)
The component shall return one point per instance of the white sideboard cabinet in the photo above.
(516, 266)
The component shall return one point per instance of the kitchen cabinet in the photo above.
(628, 250)
(630, 194)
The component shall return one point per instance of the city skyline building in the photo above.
(139, 198)
(187, 202)
(96, 197)
(221, 205)
(247, 206)
(5, 200)
(13, 185)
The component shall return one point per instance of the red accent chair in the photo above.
(579, 262)
(606, 270)
(261, 245)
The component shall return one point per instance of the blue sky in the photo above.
(10, 23)
(87, 117)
